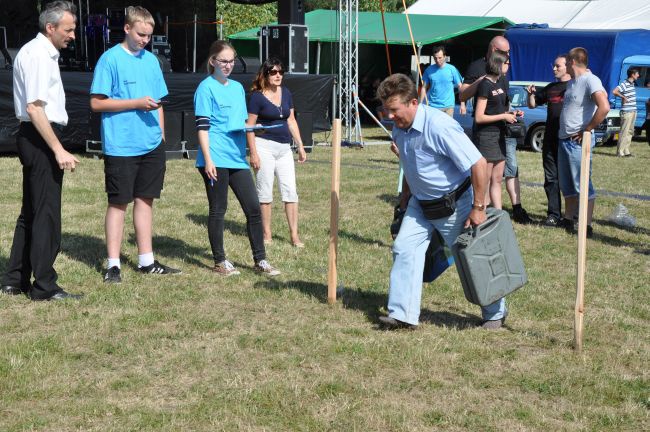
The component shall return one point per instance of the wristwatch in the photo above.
(479, 207)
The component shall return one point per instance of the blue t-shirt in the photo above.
(269, 114)
(120, 75)
(436, 154)
(441, 82)
(225, 106)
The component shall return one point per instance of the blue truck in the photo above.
(611, 54)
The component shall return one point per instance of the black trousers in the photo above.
(551, 180)
(37, 238)
(241, 183)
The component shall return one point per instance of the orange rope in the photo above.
(415, 51)
(383, 23)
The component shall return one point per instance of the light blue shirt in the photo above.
(120, 75)
(225, 106)
(441, 82)
(435, 153)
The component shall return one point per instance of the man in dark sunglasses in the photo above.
(474, 74)
(553, 96)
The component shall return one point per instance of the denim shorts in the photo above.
(569, 155)
(511, 169)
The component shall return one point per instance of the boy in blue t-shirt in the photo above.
(127, 89)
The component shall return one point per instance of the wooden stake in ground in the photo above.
(582, 240)
(334, 211)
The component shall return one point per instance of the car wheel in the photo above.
(535, 137)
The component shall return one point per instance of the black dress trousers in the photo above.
(37, 238)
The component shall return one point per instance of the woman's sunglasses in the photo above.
(274, 72)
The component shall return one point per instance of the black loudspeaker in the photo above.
(173, 131)
(305, 122)
(189, 131)
(289, 43)
(291, 12)
(116, 19)
(165, 65)
(95, 125)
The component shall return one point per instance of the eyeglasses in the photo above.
(274, 72)
(557, 66)
(225, 62)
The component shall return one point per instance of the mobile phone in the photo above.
(162, 102)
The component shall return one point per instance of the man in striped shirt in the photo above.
(627, 93)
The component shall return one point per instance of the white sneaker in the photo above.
(263, 266)
(225, 268)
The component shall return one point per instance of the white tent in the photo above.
(573, 14)
(613, 14)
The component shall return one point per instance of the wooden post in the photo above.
(334, 211)
(582, 240)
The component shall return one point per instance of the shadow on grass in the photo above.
(385, 161)
(633, 230)
(357, 238)
(370, 303)
(229, 225)
(178, 249)
(601, 153)
(391, 199)
(235, 228)
(84, 248)
(640, 247)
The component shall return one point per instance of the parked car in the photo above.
(535, 118)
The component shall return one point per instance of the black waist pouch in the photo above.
(439, 208)
(445, 206)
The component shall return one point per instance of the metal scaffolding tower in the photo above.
(348, 79)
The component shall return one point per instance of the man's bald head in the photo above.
(498, 43)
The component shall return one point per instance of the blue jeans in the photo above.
(405, 291)
(569, 155)
(512, 168)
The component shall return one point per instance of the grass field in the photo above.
(198, 352)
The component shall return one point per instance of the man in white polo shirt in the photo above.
(39, 102)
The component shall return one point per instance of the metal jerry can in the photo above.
(488, 259)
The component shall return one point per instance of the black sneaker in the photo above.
(157, 268)
(389, 323)
(520, 215)
(571, 226)
(112, 275)
(551, 222)
(564, 223)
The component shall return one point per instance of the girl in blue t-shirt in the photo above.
(271, 104)
(220, 109)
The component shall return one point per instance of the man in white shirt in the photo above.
(39, 103)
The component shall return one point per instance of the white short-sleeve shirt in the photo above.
(37, 78)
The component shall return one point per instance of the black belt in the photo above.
(462, 188)
(455, 194)
(446, 205)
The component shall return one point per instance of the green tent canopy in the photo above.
(427, 29)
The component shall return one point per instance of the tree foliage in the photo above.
(238, 17)
(364, 5)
